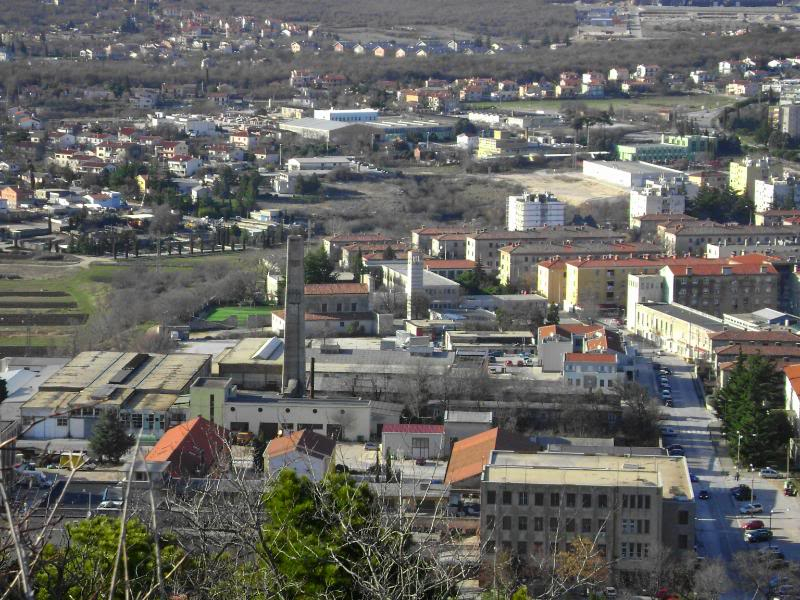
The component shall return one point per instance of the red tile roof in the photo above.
(325, 289)
(566, 330)
(412, 428)
(196, 441)
(449, 264)
(305, 441)
(471, 454)
(735, 335)
(589, 358)
(793, 375)
(747, 349)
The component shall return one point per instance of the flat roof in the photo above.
(321, 124)
(246, 349)
(686, 314)
(634, 167)
(154, 402)
(669, 474)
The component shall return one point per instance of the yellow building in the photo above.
(551, 280)
(500, 143)
(743, 174)
(594, 285)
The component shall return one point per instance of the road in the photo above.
(718, 528)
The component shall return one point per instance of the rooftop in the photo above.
(323, 289)
(689, 315)
(735, 335)
(412, 428)
(670, 475)
(469, 455)
(634, 167)
(590, 357)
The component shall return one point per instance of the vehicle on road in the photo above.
(668, 431)
(754, 508)
(693, 478)
(703, 495)
(769, 473)
(371, 446)
(754, 524)
(676, 453)
(665, 371)
(109, 506)
(757, 535)
(741, 492)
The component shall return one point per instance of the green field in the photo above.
(640, 103)
(221, 313)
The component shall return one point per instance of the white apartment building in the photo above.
(534, 210)
(790, 119)
(658, 197)
(777, 193)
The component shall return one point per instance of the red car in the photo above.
(755, 524)
(520, 363)
(509, 363)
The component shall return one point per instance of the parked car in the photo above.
(668, 402)
(743, 494)
(757, 535)
(769, 473)
(520, 363)
(421, 462)
(109, 506)
(371, 446)
(666, 395)
(529, 362)
(665, 371)
(754, 508)
(509, 363)
(674, 447)
(754, 524)
(789, 490)
(472, 510)
(676, 453)
(703, 495)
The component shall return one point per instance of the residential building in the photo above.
(337, 297)
(551, 280)
(792, 390)
(553, 342)
(305, 452)
(773, 217)
(190, 449)
(678, 329)
(409, 440)
(441, 291)
(452, 268)
(744, 173)
(142, 389)
(790, 120)
(450, 246)
(422, 238)
(534, 210)
(14, 197)
(657, 198)
(596, 285)
(462, 424)
(333, 244)
(331, 324)
(500, 143)
(692, 236)
(632, 507)
(776, 194)
(319, 163)
(592, 371)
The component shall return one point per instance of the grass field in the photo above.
(240, 312)
(640, 103)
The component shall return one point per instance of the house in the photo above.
(792, 383)
(646, 72)
(14, 196)
(461, 424)
(183, 166)
(305, 452)
(190, 449)
(242, 139)
(592, 371)
(413, 440)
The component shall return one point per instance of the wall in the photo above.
(400, 445)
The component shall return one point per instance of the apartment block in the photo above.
(743, 174)
(692, 237)
(631, 507)
(596, 285)
(657, 198)
(533, 210)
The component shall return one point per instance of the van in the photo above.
(75, 460)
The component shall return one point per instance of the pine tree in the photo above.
(552, 315)
(318, 267)
(259, 446)
(109, 439)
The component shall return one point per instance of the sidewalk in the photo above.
(721, 451)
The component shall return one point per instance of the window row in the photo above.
(508, 498)
(554, 524)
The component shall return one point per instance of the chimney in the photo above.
(294, 335)
(414, 281)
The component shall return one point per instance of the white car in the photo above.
(770, 473)
(752, 509)
(110, 505)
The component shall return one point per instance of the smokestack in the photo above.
(294, 334)
(414, 281)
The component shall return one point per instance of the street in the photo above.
(719, 532)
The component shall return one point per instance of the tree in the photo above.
(3, 389)
(358, 266)
(109, 439)
(308, 185)
(318, 267)
(581, 564)
(83, 566)
(389, 253)
(259, 445)
(640, 416)
(552, 317)
(751, 405)
(164, 221)
(721, 205)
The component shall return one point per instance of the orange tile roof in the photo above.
(305, 441)
(735, 335)
(324, 289)
(197, 432)
(568, 329)
(471, 454)
(793, 375)
(449, 264)
(589, 358)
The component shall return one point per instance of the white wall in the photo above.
(399, 444)
(302, 464)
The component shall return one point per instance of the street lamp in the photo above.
(753, 484)
(738, 449)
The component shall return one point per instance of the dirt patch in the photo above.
(572, 188)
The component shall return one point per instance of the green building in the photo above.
(671, 148)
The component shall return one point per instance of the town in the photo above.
(299, 303)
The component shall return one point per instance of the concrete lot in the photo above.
(570, 186)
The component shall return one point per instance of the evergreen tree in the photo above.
(552, 315)
(109, 439)
(389, 253)
(358, 267)
(259, 446)
(318, 267)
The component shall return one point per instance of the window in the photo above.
(324, 307)
(538, 499)
(522, 524)
(136, 421)
(683, 542)
(489, 522)
(570, 500)
(602, 501)
(523, 499)
(628, 526)
(338, 307)
(506, 547)
(555, 499)
(522, 548)
(553, 523)
(586, 525)
(491, 497)
(601, 525)
(506, 497)
(538, 523)
(490, 546)
(570, 525)
(507, 523)
(586, 501)
(62, 421)
(419, 446)
(683, 517)
(643, 527)
(353, 307)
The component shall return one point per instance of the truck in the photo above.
(75, 460)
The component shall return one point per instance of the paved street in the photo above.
(719, 524)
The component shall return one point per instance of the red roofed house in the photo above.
(471, 454)
(13, 196)
(593, 371)
(450, 268)
(554, 341)
(190, 449)
(307, 453)
(413, 440)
